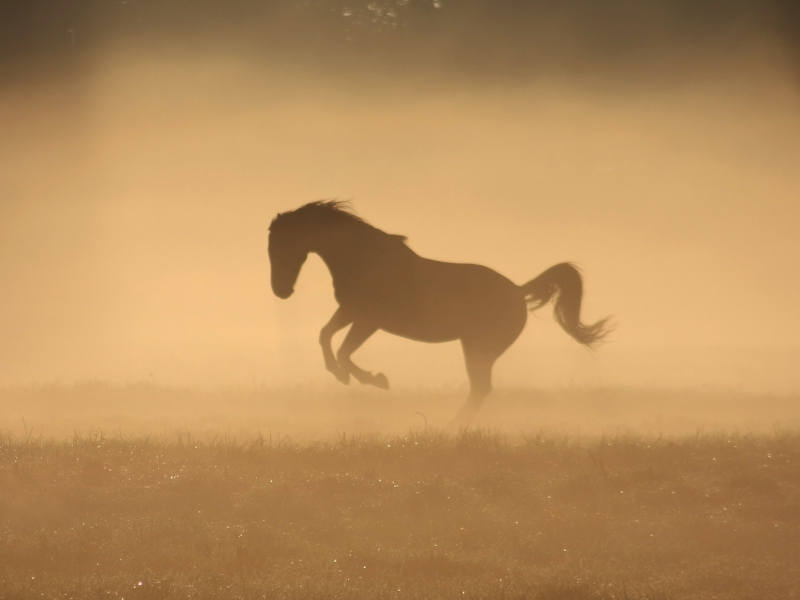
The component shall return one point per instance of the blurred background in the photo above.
(145, 145)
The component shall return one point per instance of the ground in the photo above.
(428, 513)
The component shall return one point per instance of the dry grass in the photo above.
(477, 514)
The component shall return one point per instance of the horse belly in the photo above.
(423, 332)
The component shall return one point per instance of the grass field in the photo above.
(553, 513)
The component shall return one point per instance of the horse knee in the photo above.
(325, 335)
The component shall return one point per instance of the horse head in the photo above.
(318, 225)
(288, 251)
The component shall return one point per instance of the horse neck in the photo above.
(339, 248)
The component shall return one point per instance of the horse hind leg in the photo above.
(359, 333)
(479, 363)
(482, 347)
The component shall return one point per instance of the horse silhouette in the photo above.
(381, 283)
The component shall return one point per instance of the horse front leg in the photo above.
(338, 321)
(359, 333)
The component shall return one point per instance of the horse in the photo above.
(380, 283)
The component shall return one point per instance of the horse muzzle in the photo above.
(283, 294)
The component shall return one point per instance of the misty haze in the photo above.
(170, 428)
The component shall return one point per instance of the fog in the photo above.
(139, 172)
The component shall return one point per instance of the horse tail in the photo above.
(564, 282)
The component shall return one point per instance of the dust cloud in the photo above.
(144, 154)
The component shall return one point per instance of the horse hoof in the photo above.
(381, 382)
(343, 376)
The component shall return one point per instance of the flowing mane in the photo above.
(332, 212)
(329, 210)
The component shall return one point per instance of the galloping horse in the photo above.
(380, 283)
